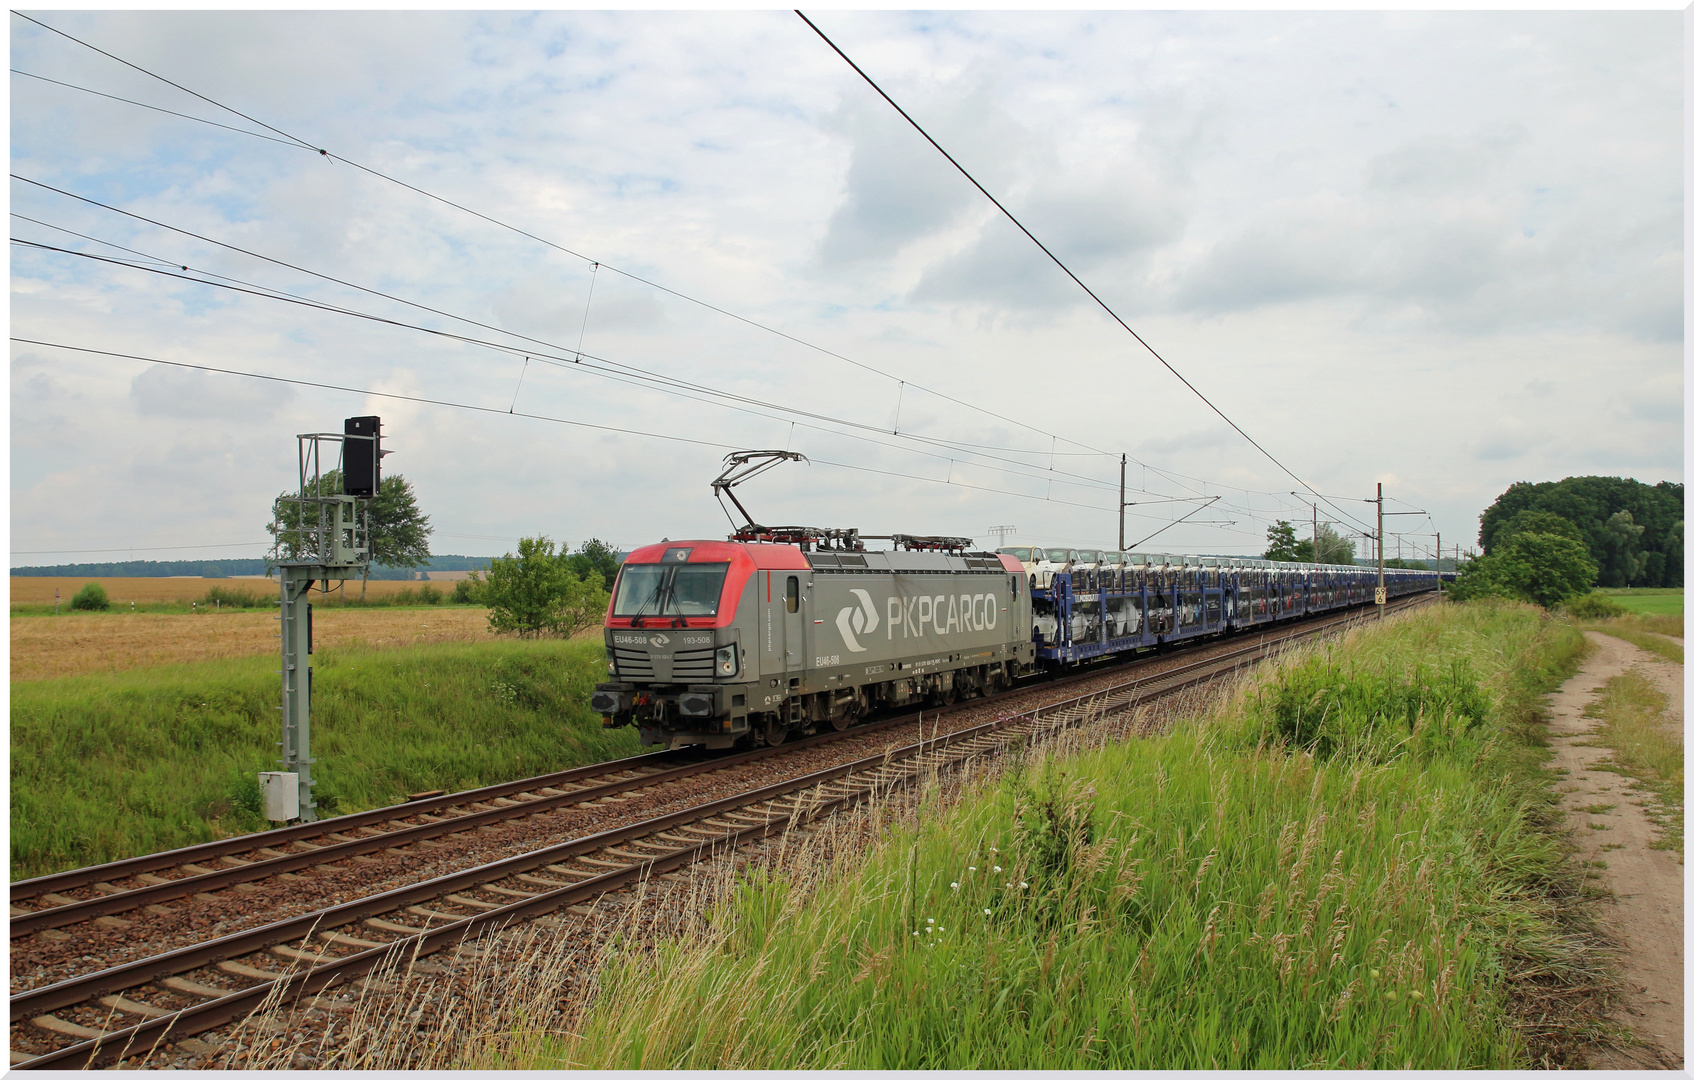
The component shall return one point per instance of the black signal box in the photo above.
(361, 456)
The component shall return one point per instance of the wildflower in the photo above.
(973, 868)
(995, 850)
(940, 929)
(930, 921)
(1023, 884)
(985, 911)
(914, 933)
(996, 869)
(929, 929)
(955, 884)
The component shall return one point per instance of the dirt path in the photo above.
(1646, 918)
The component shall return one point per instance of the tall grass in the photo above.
(109, 766)
(1644, 746)
(1230, 896)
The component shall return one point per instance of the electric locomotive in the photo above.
(715, 642)
(793, 629)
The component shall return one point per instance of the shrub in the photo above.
(1321, 707)
(1054, 821)
(465, 591)
(1594, 606)
(429, 594)
(91, 597)
(536, 593)
(1542, 568)
(233, 596)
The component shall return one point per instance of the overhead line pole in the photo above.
(1123, 469)
(1381, 584)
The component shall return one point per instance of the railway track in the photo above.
(109, 890)
(103, 1016)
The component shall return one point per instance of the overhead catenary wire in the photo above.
(1045, 250)
(614, 375)
(622, 373)
(303, 144)
(155, 108)
(495, 411)
(293, 140)
(636, 371)
(1168, 474)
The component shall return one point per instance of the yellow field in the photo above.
(121, 590)
(45, 647)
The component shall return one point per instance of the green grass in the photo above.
(1631, 631)
(1647, 601)
(1393, 895)
(1644, 747)
(109, 766)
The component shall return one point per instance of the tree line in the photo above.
(1632, 531)
(1333, 548)
(1554, 541)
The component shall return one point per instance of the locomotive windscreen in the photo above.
(670, 589)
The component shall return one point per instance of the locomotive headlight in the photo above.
(727, 663)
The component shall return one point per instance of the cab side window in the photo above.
(793, 594)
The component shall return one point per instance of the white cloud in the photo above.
(1365, 237)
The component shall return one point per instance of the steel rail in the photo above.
(143, 1036)
(24, 923)
(248, 842)
(83, 910)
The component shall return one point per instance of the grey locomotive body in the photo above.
(803, 640)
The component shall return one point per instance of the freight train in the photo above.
(772, 633)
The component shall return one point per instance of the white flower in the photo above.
(995, 850)
(941, 929)
(914, 933)
(973, 868)
(996, 869)
(985, 911)
(930, 921)
(955, 884)
(1023, 884)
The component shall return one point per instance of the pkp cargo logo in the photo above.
(852, 621)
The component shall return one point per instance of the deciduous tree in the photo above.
(397, 530)
(596, 556)
(1280, 543)
(1591, 503)
(1542, 568)
(536, 592)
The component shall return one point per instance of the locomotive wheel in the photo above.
(843, 721)
(776, 730)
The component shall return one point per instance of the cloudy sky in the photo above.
(1440, 251)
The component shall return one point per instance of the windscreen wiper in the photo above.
(637, 621)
